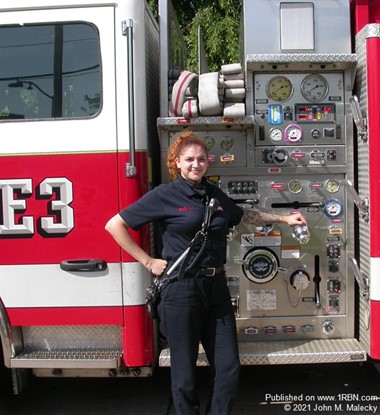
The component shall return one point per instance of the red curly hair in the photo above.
(182, 141)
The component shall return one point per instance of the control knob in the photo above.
(328, 327)
(301, 233)
(280, 156)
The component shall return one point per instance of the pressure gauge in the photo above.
(295, 186)
(227, 143)
(293, 134)
(279, 88)
(332, 185)
(314, 88)
(333, 208)
(275, 134)
(209, 142)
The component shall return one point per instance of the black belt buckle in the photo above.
(209, 272)
(205, 272)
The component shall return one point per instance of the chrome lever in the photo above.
(361, 278)
(361, 204)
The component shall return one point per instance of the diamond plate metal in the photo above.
(368, 31)
(70, 347)
(290, 352)
(293, 61)
(63, 359)
(39, 338)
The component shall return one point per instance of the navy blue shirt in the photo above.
(179, 210)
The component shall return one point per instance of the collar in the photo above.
(189, 189)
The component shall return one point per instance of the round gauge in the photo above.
(260, 265)
(293, 134)
(332, 185)
(295, 186)
(275, 134)
(314, 88)
(279, 88)
(209, 142)
(227, 143)
(333, 208)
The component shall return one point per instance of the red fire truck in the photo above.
(80, 98)
(83, 87)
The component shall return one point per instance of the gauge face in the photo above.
(333, 208)
(332, 185)
(209, 142)
(261, 265)
(314, 88)
(293, 134)
(275, 134)
(279, 88)
(227, 143)
(295, 186)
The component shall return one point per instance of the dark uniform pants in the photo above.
(198, 309)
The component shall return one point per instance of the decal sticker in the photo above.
(14, 195)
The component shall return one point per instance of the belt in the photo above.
(206, 272)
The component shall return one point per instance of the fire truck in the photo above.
(86, 121)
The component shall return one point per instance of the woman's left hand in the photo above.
(157, 266)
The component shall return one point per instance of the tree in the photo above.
(219, 23)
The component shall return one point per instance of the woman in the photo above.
(196, 308)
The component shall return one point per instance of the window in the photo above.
(49, 71)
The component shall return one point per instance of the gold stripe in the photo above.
(68, 153)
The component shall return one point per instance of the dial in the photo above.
(279, 88)
(332, 185)
(275, 134)
(295, 186)
(209, 142)
(314, 88)
(227, 143)
(333, 208)
(293, 134)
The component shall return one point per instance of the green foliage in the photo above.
(219, 23)
(153, 4)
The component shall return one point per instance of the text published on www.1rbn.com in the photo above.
(354, 403)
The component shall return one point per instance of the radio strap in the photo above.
(199, 239)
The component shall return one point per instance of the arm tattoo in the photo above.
(256, 217)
